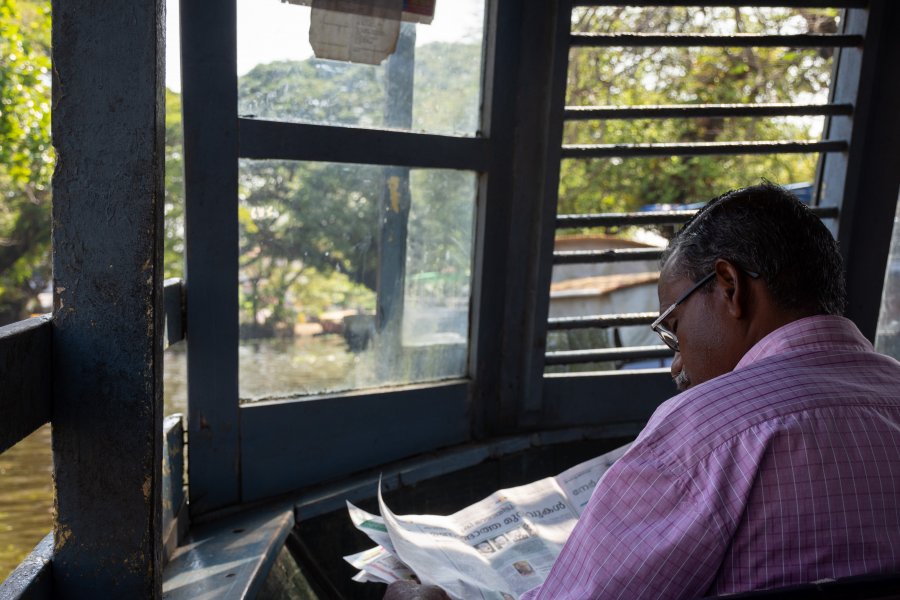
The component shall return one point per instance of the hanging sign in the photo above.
(361, 31)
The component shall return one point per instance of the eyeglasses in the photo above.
(666, 334)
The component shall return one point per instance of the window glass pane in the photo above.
(652, 76)
(281, 80)
(887, 337)
(352, 276)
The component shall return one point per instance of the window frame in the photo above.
(848, 150)
(231, 462)
(247, 453)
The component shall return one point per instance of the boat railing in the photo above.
(26, 404)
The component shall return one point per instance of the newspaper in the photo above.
(497, 548)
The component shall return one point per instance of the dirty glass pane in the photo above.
(653, 76)
(352, 276)
(887, 337)
(438, 64)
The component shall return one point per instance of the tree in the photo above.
(173, 258)
(26, 156)
(304, 225)
(648, 76)
(27, 160)
(312, 222)
(635, 76)
(300, 223)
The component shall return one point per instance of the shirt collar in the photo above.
(809, 333)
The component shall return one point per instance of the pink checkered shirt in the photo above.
(784, 471)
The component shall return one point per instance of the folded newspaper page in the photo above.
(497, 548)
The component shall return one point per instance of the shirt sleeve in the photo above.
(646, 533)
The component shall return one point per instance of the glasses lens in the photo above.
(668, 338)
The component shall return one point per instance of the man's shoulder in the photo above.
(690, 426)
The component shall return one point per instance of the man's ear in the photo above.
(730, 284)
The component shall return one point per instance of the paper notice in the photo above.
(355, 31)
(414, 11)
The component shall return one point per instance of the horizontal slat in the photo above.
(701, 149)
(24, 379)
(578, 257)
(604, 396)
(571, 357)
(175, 311)
(750, 3)
(327, 143)
(671, 217)
(737, 40)
(601, 321)
(682, 111)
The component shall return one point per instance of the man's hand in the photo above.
(407, 590)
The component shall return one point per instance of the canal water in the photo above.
(268, 368)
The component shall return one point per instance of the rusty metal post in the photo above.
(108, 131)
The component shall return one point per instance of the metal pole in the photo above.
(108, 131)
(395, 202)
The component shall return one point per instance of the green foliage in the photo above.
(173, 259)
(450, 100)
(439, 243)
(26, 156)
(321, 213)
(27, 160)
(320, 91)
(318, 292)
(697, 75)
(304, 224)
(308, 237)
(309, 231)
(316, 91)
(277, 293)
(309, 225)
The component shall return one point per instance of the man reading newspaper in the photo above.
(778, 462)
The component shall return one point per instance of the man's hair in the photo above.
(767, 230)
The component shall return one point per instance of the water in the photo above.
(26, 497)
(268, 368)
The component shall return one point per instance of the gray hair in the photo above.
(767, 230)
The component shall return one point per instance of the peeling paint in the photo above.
(61, 537)
(394, 189)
